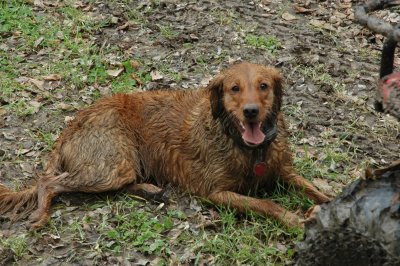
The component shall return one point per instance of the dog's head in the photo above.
(250, 96)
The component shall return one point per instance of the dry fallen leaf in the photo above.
(4, 47)
(289, 17)
(38, 3)
(174, 233)
(32, 154)
(9, 136)
(79, 4)
(22, 151)
(194, 37)
(36, 106)
(38, 83)
(204, 82)
(135, 64)
(114, 20)
(324, 186)
(194, 205)
(281, 247)
(104, 90)
(52, 77)
(68, 119)
(322, 25)
(303, 10)
(65, 106)
(38, 42)
(124, 26)
(138, 80)
(115, 72)
(142, 262)
(206, 259)
(155, 75)
(3, 111)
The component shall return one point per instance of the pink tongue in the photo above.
(252, 133)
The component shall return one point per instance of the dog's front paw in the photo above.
(292, 220)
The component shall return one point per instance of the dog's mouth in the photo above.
(252, 133)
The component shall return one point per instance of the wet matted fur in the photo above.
(219, 143)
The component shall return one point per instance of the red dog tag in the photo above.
(259, 169)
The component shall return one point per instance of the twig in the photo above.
(375, 24)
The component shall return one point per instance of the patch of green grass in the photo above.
(167, 70)
(11, 13)
(8, 86)
(368, 54)
(135, 15)
(328, 160)
(268, 43)
(251, 241)
(201, 60)
(124, 224)
(6, 67)
(329, 157)
(223, 16)
(48, 138)
(133, 226)
(177, 214)
(98, 74)
(168, 32)
(64, 42)
(306, 165)
(18, 244)
(19, 19)
(125, 83)
(176, 76)
(21, 108)
(319, 75)
(187, 45)
(127, 224)
(76, 227)
(80, 21)
(290, 198)
(324, 165)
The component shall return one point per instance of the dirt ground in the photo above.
(330, 66)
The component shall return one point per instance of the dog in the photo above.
(220, 142)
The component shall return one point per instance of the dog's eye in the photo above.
(263, 86)
(235, 88)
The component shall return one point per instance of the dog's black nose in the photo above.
(250, 110)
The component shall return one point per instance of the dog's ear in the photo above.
(278, 90)
(215, 87)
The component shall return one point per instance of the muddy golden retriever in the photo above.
(219, 143)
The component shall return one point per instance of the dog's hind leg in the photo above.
(50, 186)
(47, 190)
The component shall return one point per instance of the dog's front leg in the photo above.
(261, 206)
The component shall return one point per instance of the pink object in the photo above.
(389, 94)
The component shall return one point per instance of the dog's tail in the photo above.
(17, 204)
